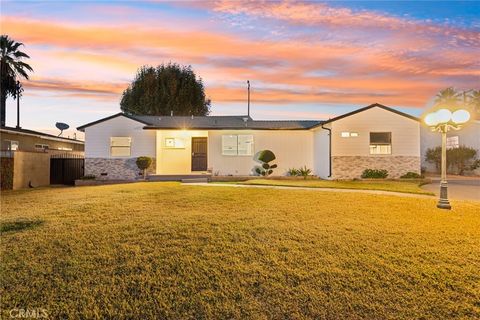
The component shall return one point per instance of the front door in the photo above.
(199, 154)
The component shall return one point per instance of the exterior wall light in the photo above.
(443, 121)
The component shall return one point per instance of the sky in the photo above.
(304, 60)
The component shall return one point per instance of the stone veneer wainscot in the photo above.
(350, 167)
(115, 169)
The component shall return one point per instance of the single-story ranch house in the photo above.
(375, 137)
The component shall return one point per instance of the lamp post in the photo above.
(443, 121)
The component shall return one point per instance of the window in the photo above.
(452, 142)
(11, 145)
(245, 145)
(175, 143)
(120, 146)
(349, 134)
(241, 145)
(40, 146)
(380, 142)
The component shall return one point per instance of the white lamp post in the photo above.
(443, 121)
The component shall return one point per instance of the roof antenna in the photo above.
(61, 126)
(248, 101)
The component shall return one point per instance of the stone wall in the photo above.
(349, 167)
(115, 169)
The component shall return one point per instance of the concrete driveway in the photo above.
(459, 188)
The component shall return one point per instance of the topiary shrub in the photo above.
(411, 175)
(374, 174)
(265, 157)
(143, 163)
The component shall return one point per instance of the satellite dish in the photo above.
(61, 126)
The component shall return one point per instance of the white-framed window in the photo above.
(380, 143)
(237, 145)
(120, 146)
(11, 145)
(41, 146)
(452, 142)
(175, 143)
(346, 134)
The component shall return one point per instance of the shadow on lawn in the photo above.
(19, 225)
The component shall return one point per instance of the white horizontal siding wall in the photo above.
(321, 158)
(405, 133)
(292, 148)
(97, 138)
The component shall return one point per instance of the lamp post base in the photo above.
(443, 202)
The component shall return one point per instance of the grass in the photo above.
(163, 250)
(384, 185)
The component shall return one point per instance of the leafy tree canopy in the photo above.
(164, 89)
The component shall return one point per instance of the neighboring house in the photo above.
(29, 140)
(468, 135)
(374, 137)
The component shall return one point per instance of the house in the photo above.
(375, 136)
(28, 140)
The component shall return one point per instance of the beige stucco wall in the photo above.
(176, 161)
(293, 148)
(27, 142)
(31, 167)
(405, 133)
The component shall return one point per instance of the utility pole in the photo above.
(248, 101)
(19, 88)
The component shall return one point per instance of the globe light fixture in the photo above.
(442, 121)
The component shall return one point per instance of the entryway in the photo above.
(199, 154)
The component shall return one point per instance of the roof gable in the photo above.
(375, 105)
(82, 128)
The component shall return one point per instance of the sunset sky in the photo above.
(305, 60)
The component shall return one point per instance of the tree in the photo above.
(473, 101)
(165, 89)
(12, 68)
(448, 97)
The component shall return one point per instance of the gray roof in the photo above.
(212, 123)
(223, 122)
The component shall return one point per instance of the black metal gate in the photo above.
(66, 168)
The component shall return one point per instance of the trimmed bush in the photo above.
(143, 163)
(374, 174)
(411, 175)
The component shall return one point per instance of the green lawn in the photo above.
(163, 250)
(384, 185)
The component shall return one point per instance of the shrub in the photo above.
(304, 172)
(265, 157)
(88, 177)
(374, 174)
(143, 163)
(460, 158)
(293, 172)
(434, 155)
(411, 175)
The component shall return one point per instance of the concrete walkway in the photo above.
(459, 188)
(381, 192)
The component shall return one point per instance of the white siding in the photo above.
(321, 145)
(405, 133)
(293, 149)
(97, 137)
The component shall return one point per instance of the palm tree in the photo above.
(11, 69)
(474, 101)
(448, 97)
